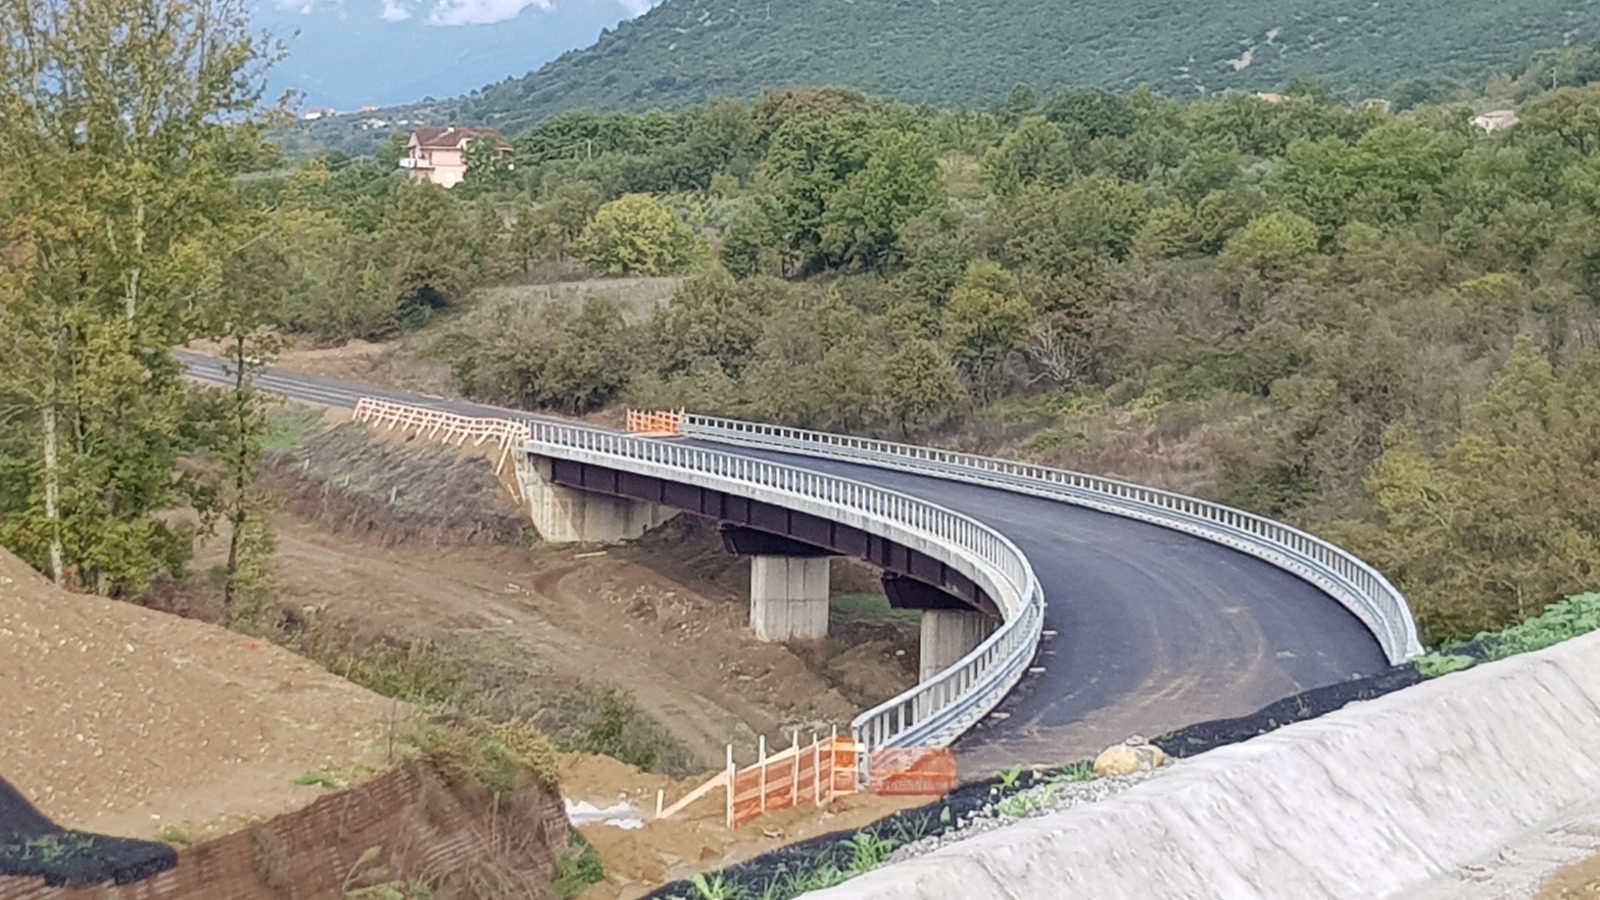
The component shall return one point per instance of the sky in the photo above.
(346, 54)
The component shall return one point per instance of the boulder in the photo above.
(1132, 755)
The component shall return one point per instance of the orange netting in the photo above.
(913, 772)
(814, 773)
(655, 424)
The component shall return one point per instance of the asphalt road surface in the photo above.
(1146, 629)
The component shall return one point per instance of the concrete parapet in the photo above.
(789, 597)
(1375, 800)
(564, 515)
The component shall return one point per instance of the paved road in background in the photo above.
(1147, 629)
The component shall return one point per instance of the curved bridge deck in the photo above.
(1147, 629)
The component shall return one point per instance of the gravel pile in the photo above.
(1048, 794)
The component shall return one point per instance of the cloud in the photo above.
(480, 12)
(636, 8)
(306, 7)
(394, 12)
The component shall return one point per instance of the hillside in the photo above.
(971, 52)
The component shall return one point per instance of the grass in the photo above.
(1559, 622)
(578, 868)
(181, 835)
(288, 429)
(872, 608)
(477, 681)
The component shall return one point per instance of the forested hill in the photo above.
(969, 52)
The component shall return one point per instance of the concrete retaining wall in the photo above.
(1371, 801)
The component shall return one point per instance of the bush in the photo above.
(635, 235)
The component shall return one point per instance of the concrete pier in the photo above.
(948, 635)
(563, 515)
(789, 597)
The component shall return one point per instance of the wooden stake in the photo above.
(763, 763)
(731, 780)
(661, 794)
(794, 780)
(816, 766)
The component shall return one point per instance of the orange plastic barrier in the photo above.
(912, 772)
(814, 773)
(655, 424)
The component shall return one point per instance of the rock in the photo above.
(1128, 757)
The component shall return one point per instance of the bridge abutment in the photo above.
(789, 597)
(564, 515)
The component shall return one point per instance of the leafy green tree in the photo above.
(810, 158)
(591, 363)
(1505, 520)
(1092, 113)
(1276, 245)
(1571, 114)
(921, 386)
(129, 122)
(1019, 104)
(635, 235)
(1091, 222)
(752, 244)
(984, 326)
(710, 317)
(861, 221)
(1036, 152)
(489, 167)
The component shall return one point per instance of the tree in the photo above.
(1505, 520)
(590, 365)
(985, 324)
(1080, 228)
(861, 222)
(1092, 113)
(1571, 114)
(635, 235)
(238, 314)
(920, 386)
(1275, 245)
(1019, 104)
(127, 123)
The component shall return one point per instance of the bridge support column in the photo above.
(564, 515)
(789, 597)
(948, 635)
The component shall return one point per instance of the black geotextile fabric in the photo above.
(836, 850)
(31, 846)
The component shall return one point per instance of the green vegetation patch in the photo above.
(871, 607)
(1562, 621)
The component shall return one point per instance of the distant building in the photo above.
(1496, 120)
(439, 155)
(320, 112)
(367, 109)
(1271, 98)
(1377, 103)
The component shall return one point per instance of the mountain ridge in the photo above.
(972, 52)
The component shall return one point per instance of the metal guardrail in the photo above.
(1353, 583)
(935, 712)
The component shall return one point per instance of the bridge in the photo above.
(1061, 612)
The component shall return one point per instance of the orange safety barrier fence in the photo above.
(912, 772)
(815, 773)
(655, 424)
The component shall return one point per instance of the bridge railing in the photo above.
(935, 712)
(1353, 583)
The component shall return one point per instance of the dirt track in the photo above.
(683, 653)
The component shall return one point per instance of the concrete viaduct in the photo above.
(1157, 610)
